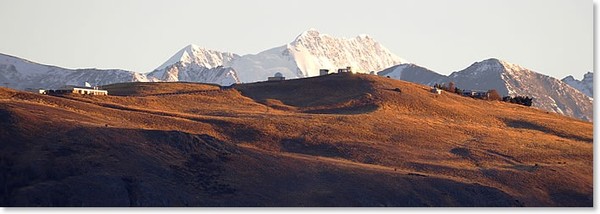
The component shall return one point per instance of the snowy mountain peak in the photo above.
(314, 50)
(510, 79)
(313, 34)
(586, 85)
(495, 65)
(197, 56)
(311, 51)
(364, 36)
(197, 64)
(309, 35)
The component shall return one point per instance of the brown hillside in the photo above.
(336, 140)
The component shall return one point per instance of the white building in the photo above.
(68, 89)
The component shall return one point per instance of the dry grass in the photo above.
(353, 126)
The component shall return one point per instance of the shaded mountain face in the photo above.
(414, 73)
(311, 51)
(335, 140)
(22, 74)
(586, 85)
(549, 93)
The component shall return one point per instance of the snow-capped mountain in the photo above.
(22, 74)
(193, 73)
(549, 93)
(303, 57)
(195, 64)
(586, 85)
(414, 73)
(311, 51)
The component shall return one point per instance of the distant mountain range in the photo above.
(21, 74)
(549, 93)
(303, 57)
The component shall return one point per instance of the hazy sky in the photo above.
(554, 37)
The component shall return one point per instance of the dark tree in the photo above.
(521, 100)
(458, 90)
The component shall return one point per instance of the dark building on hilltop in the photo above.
(277, 77)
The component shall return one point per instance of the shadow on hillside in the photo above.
(522, 124)
(302, 147)
(569, 198)
(105, 166)
(99, 166)
(330, 94)
(237, 131)
(349, 110)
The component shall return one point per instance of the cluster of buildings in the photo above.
(466, 93)
(476, 94)
(71, 89)
(322, 72)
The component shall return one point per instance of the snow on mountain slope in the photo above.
(586, 85)
(311, 51)
(257, 67)
(414, 73)
(549, 93)
(194, 73)
(22, 74)
(194, 55)
(195, 64)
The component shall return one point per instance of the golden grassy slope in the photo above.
(345, 140)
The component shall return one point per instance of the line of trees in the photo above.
(491, 94)
(521, 100)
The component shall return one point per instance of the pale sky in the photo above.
(553, 37)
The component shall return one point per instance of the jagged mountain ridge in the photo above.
(585, 85)
(181, 72)
(23, 74)
(196, 64)
(311, 51)
(195, 55)
(303, 57)
(549, 93)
